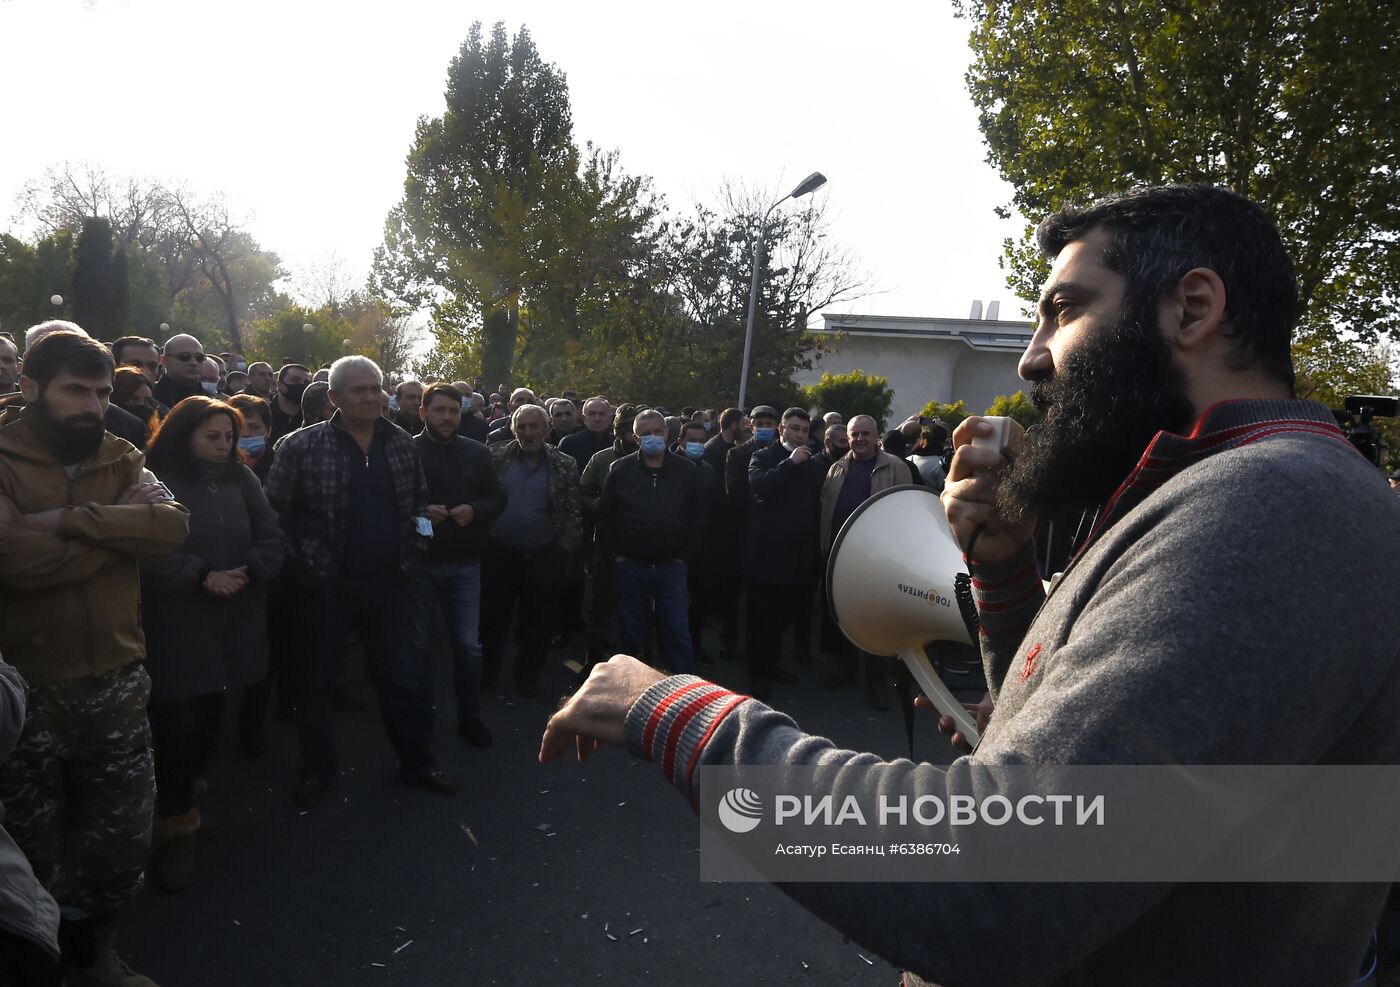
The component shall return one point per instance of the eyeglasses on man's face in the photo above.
(197, 357)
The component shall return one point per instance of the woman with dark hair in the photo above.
(204, 611)
(253, 444)
(927, 455)
(131, 392)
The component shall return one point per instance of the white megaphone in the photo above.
(890, 583)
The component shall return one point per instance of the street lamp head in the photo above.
(346, 343)
(55, 300)
(811, 183)
(165, 327)
(307, 327)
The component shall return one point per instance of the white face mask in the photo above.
(788, 445)
(210, 386)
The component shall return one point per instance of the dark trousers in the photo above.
(600, 614)
(183, 735)
(728, 587)
(769, 609)
(287, 638)
(636, 587)
(834, 642)
(379, 612)
(516, 585)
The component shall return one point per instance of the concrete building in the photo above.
(947, 360)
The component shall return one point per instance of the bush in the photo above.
(951, 414)
(1016, 406)
(855, 393)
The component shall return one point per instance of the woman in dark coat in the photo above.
(204, 611)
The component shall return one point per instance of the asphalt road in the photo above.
(386, 884)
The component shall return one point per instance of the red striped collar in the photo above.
(1224, 425)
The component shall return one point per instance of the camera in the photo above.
(1355, 421)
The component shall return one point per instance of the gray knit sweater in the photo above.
(1236, 604)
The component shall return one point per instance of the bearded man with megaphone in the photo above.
(1232, 604)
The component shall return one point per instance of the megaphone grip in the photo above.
(943, 700)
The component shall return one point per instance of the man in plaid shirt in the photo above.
(353, 501)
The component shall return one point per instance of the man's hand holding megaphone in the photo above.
(970, 493)
(969, 500)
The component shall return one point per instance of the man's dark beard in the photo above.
(1101, 408)
(72, 439)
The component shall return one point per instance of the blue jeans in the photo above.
(456, 588)
(636, 587)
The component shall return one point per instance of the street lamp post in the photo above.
(812, 182)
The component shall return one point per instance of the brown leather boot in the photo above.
(173, 864)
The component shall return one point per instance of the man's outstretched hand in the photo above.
(595, 715)
(949, 727)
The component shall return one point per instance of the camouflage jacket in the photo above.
(564, 502)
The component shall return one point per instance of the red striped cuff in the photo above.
(1008, 593)
(672, 721)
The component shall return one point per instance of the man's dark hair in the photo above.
(1158, 234)
(67, 352)
(119, 345)
(797, 413)
(314, 398)
(169, 448)
(282, 373)
(440, 389)
(398, 388)
(730, 417)
(688, 426)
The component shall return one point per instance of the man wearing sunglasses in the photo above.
(182, 357)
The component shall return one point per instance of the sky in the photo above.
(303, 111)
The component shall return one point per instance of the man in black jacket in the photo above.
(596, 433)
(181, 357)
(464, 497)
(782, 559)
(650, 517)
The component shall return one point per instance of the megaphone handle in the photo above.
(938, 693)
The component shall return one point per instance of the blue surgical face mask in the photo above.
(210, 386)
(653, 445)
(695, 450)
(764, 435)
(253, 445)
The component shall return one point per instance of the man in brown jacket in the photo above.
(850, 482)
(76, 513)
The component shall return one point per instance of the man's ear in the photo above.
(30, 389)
(1192, 313)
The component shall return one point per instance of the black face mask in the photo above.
(72, 439)
(293, 392)
(1102, 406)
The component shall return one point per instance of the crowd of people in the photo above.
(182, 531)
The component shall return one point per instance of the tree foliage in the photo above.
(189, 257)
(1291, 104)
(1016, 406)
(548, 265)
(100, 291)
(477, 220)
(851, 394)
(951, 415)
